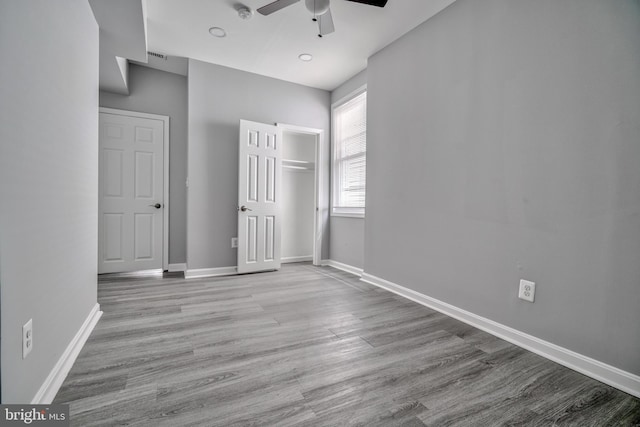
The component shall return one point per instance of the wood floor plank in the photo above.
(311, 346)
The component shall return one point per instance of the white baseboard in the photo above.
(56, 377)
(172, 268)
(622, 380)
(296, 259)
(341, 266)
(210, 272)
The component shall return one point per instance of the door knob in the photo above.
(157, 206)
(244, 208)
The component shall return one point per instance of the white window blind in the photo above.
(350, 147)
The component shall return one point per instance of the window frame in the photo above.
(341, 211)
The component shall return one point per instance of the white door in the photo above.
(259, 198)
(131, 193)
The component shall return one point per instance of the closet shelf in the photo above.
(300, 165)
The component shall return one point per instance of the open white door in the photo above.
(259, 187)
(131, 194)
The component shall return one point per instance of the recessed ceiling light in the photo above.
(217, 32)
(306, 57)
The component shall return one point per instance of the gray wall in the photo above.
(510, 129)
(158, 92)
(347, 234)
(347, 241)
(218, 98)
(48, 182)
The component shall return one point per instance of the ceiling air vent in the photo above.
(158, 55)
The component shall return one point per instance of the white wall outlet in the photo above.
(27, 338)
(234, 242)
(527, 290)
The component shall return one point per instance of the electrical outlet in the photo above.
(234, 242)
(27, 338)
(527, 290)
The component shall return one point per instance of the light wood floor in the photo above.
(311, 346)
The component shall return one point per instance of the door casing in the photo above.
(318, 180)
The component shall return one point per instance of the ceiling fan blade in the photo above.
(379, 3)
(325, 23)
(275, 6)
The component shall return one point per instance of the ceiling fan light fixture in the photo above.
(217, 32)
(245, 13)
(305, 57)
(317, 7)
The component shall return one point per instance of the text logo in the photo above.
(34, 415)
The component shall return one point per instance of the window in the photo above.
(349, 156)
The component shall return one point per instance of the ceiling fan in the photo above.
(318, 8)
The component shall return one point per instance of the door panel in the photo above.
(144, 175)
(131, 183)
(259, 194)
(112, 237)
(113, 168)
(269, 242)
(252, 240)
(143, 236)
(252, 178)
(270, 192)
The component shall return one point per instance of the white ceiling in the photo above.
(270, 45)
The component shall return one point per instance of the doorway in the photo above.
(301, 190)
(298, 191)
